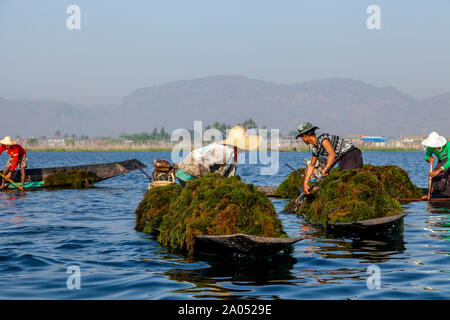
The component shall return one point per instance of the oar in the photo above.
(429, 181)
(300, 198)
(9, 180)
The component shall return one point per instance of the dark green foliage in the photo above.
(154, 206)
(353, 195)
(210, 205)
(289, 188)
(75, 178)
(396, 181)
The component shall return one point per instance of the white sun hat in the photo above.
(238, 137)
(434, 140)
(7, 141)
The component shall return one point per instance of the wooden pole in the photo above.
(429, 181)
(9, 180)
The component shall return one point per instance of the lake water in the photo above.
(44, 232)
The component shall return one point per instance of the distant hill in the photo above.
(340, 106)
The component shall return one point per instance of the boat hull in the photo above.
(34, 178)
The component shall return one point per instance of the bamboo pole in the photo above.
(9, 180)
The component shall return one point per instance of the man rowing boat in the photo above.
(439, 147)
(217, 157)
(330, 146)
(17, 157)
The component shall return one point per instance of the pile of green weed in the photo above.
(360, 194)
(210, 205)
(289, 188)
(74, 178)
(154, 206)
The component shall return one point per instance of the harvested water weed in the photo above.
(75, 178)
(353, 195)
(210, 205)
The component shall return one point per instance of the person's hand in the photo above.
(306, 188)
(324, 173)
(435, 172)
(431, 159)
(8, 176)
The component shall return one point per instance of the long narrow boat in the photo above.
(34, 178)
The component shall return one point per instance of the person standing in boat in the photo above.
(17, 158)
(439, 147)
(219, 157)
(329, 146)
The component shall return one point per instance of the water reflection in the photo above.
(438, 222)
(214, 280)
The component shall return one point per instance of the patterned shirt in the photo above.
(338, 144)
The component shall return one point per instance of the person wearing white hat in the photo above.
(17, 157)
(439, 147)
(217, 157)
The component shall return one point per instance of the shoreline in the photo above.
(169, 149)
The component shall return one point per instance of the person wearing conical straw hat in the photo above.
(330, 146)
(17, 158)
(438, 147)
(217, 157)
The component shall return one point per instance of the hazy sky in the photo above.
(125, 45)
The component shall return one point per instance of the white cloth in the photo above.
(211, 158)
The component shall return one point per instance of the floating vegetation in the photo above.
(290, 187)
(353, 195)
(210, 205)
(75, 178)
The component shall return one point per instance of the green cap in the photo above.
(305, 127)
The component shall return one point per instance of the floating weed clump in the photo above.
(210, 205)
(75, 178)
(360, 194)
(154, 206)
(289, 188)
(396, 181)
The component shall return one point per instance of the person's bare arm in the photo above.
(331, 154)
(308, 174)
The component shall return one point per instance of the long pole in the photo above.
(429, 181)
(9, 180)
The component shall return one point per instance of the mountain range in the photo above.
(339, 106)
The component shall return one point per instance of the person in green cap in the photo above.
(329, 146)
(439, 147)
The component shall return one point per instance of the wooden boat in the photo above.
(242, 244)
(239, 244)
(34, 178)
(367, 226)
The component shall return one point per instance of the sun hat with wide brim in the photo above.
(434, 140)
(7, 141)
(237, 137)
(304, 128)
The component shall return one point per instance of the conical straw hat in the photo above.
(434, 140)
(238, 137)
(7, 141)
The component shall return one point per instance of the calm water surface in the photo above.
(44, 232)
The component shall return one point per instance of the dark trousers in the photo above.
(352, 160)
(441, 183)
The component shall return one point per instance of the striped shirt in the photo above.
(338, 144)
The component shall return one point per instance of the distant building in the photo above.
(413, 139)
(56, 141)
(374, 139)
